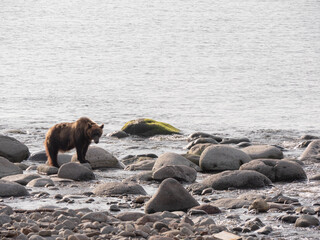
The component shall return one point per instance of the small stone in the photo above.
(265, 230)
(114, 208)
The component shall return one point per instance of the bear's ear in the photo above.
(89, 125)
(101, 126)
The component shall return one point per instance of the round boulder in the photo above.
(12, 149)
(47, 170)
(75, 171)
(12, 189)
(173, 159)
(312, 152)
(306, 221)
(180, 173)
(171, 196)
(246, 179)
(276, 170)
(118, 188)
(263, 151)
(99, 158)
(7, 168)
(147, 127)
(220, 158)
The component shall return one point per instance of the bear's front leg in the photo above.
(84, 152)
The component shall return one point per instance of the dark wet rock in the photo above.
(40, 182)
(280, 198)
(208, 208)
(231, 203)
(142, 165)
(118, 188)
(234, 140)
(99, 158)
(254, 224)
(315, 177)
(236, 179)
(12, 149)
(147, 127)
(276, 170)
(4, 209)
(201, 141)
(260, 205)
(12, 189)
(307, 221)
(304, 144)
(171, 196)
(129, 216)
(180, 173)
(118, 134)
(140, 177)
(192, 157)
(220, 158)
(263, 151)
(197, 135)
(289, 218)
(40, 156)
(312, 152)
(75, 171)
(4, 218)
(22, 179)
(7, 168)
(173, 159)
(46, 169)
(199, 148)
(309, 137)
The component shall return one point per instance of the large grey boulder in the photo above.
(12, 149)
(173, 159)
(12, 189)
(7, 168)
(312, 152)
(276, 170)
(180, 173)
(220, 158)
(239, 179)
(99, 158)
(263, 151)
(171, 196)
(118, 188)
(75, 171)
(22, 179)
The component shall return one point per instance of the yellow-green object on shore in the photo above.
(146, 127)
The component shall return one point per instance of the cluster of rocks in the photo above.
(173, 211)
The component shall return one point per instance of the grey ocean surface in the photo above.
(230, 67)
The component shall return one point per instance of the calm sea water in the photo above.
(232, 67)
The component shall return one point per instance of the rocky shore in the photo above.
(220, 188)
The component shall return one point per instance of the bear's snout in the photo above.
(96, 140)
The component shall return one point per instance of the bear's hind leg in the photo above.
(52, 155)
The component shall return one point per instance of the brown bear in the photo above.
(65, 136)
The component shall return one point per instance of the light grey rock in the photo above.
(4, 218)
(171, 196)
(199, 148)
(12, 189)
(22, 179)
(234, 140)
(118, 188)
(99, 158)
(173, 159)
(180, 173)
(220, 158)
(142, 165)
(263, 151)
(75, 172)
(144, 176)
(129, 216)
(312, 152)
(95, 216)
(47, 170)
(40, 182)
(277, 170)
(7, 168)
(197, 135)
(12, 149)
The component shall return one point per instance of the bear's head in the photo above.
(95, 131)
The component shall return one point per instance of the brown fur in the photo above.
(65, 136)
